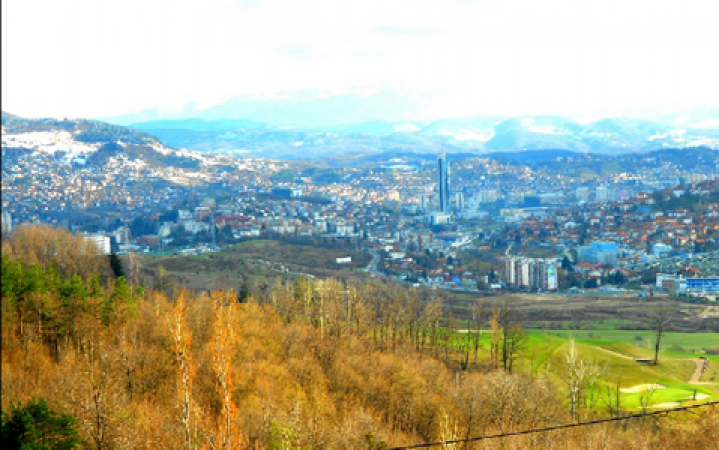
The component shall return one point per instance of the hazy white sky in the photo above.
(90, 58)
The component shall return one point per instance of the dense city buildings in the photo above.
(496, 225)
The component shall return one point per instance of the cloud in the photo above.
(406, 30)
(248, 3)
(490, 55)
(296, 51)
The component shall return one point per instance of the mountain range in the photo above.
(80, 143)
(466, 135)
(317, 109)
(308, 126)
(311, 123)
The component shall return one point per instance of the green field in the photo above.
(689, 342)
(544, 354)
(674, 370)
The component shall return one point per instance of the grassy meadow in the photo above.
(256, 262)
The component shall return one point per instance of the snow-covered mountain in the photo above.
(478, 135)
(326, 123)
(612, 135)
(153, 143)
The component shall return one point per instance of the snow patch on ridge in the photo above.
(677, 134)
(704, 142)
(546, 129)
(159, 148)
(50, 142)
(469, 134)
(657, 136)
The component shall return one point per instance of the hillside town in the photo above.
(470, 223)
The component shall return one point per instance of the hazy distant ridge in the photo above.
(475, 135)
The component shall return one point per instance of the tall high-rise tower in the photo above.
(443, 180)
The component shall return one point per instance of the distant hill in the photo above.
(196, 124)
(296, 142)
(530, 157)
(537, 133)
(88, 142)
(8, 115)
(573, 164)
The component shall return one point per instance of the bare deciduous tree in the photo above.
(660, 322)
(222, 351)
(582, 377)
(511, 334)
(182, 341)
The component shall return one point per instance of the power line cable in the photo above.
(557, 427)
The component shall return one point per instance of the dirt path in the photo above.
(615, 353)
(698, 371)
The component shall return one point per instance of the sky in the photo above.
(89, 58)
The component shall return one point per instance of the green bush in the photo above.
(677, 348)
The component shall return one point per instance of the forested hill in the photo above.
(94, 359)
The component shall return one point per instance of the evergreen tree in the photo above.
(116, 265)
(243, 294)
(36, 426)
(74, 287)
(94, 286)
(119, 302)
(11, 278)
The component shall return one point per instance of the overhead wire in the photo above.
(556, 427)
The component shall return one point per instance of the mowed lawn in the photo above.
(548, 351)
(688, 342)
